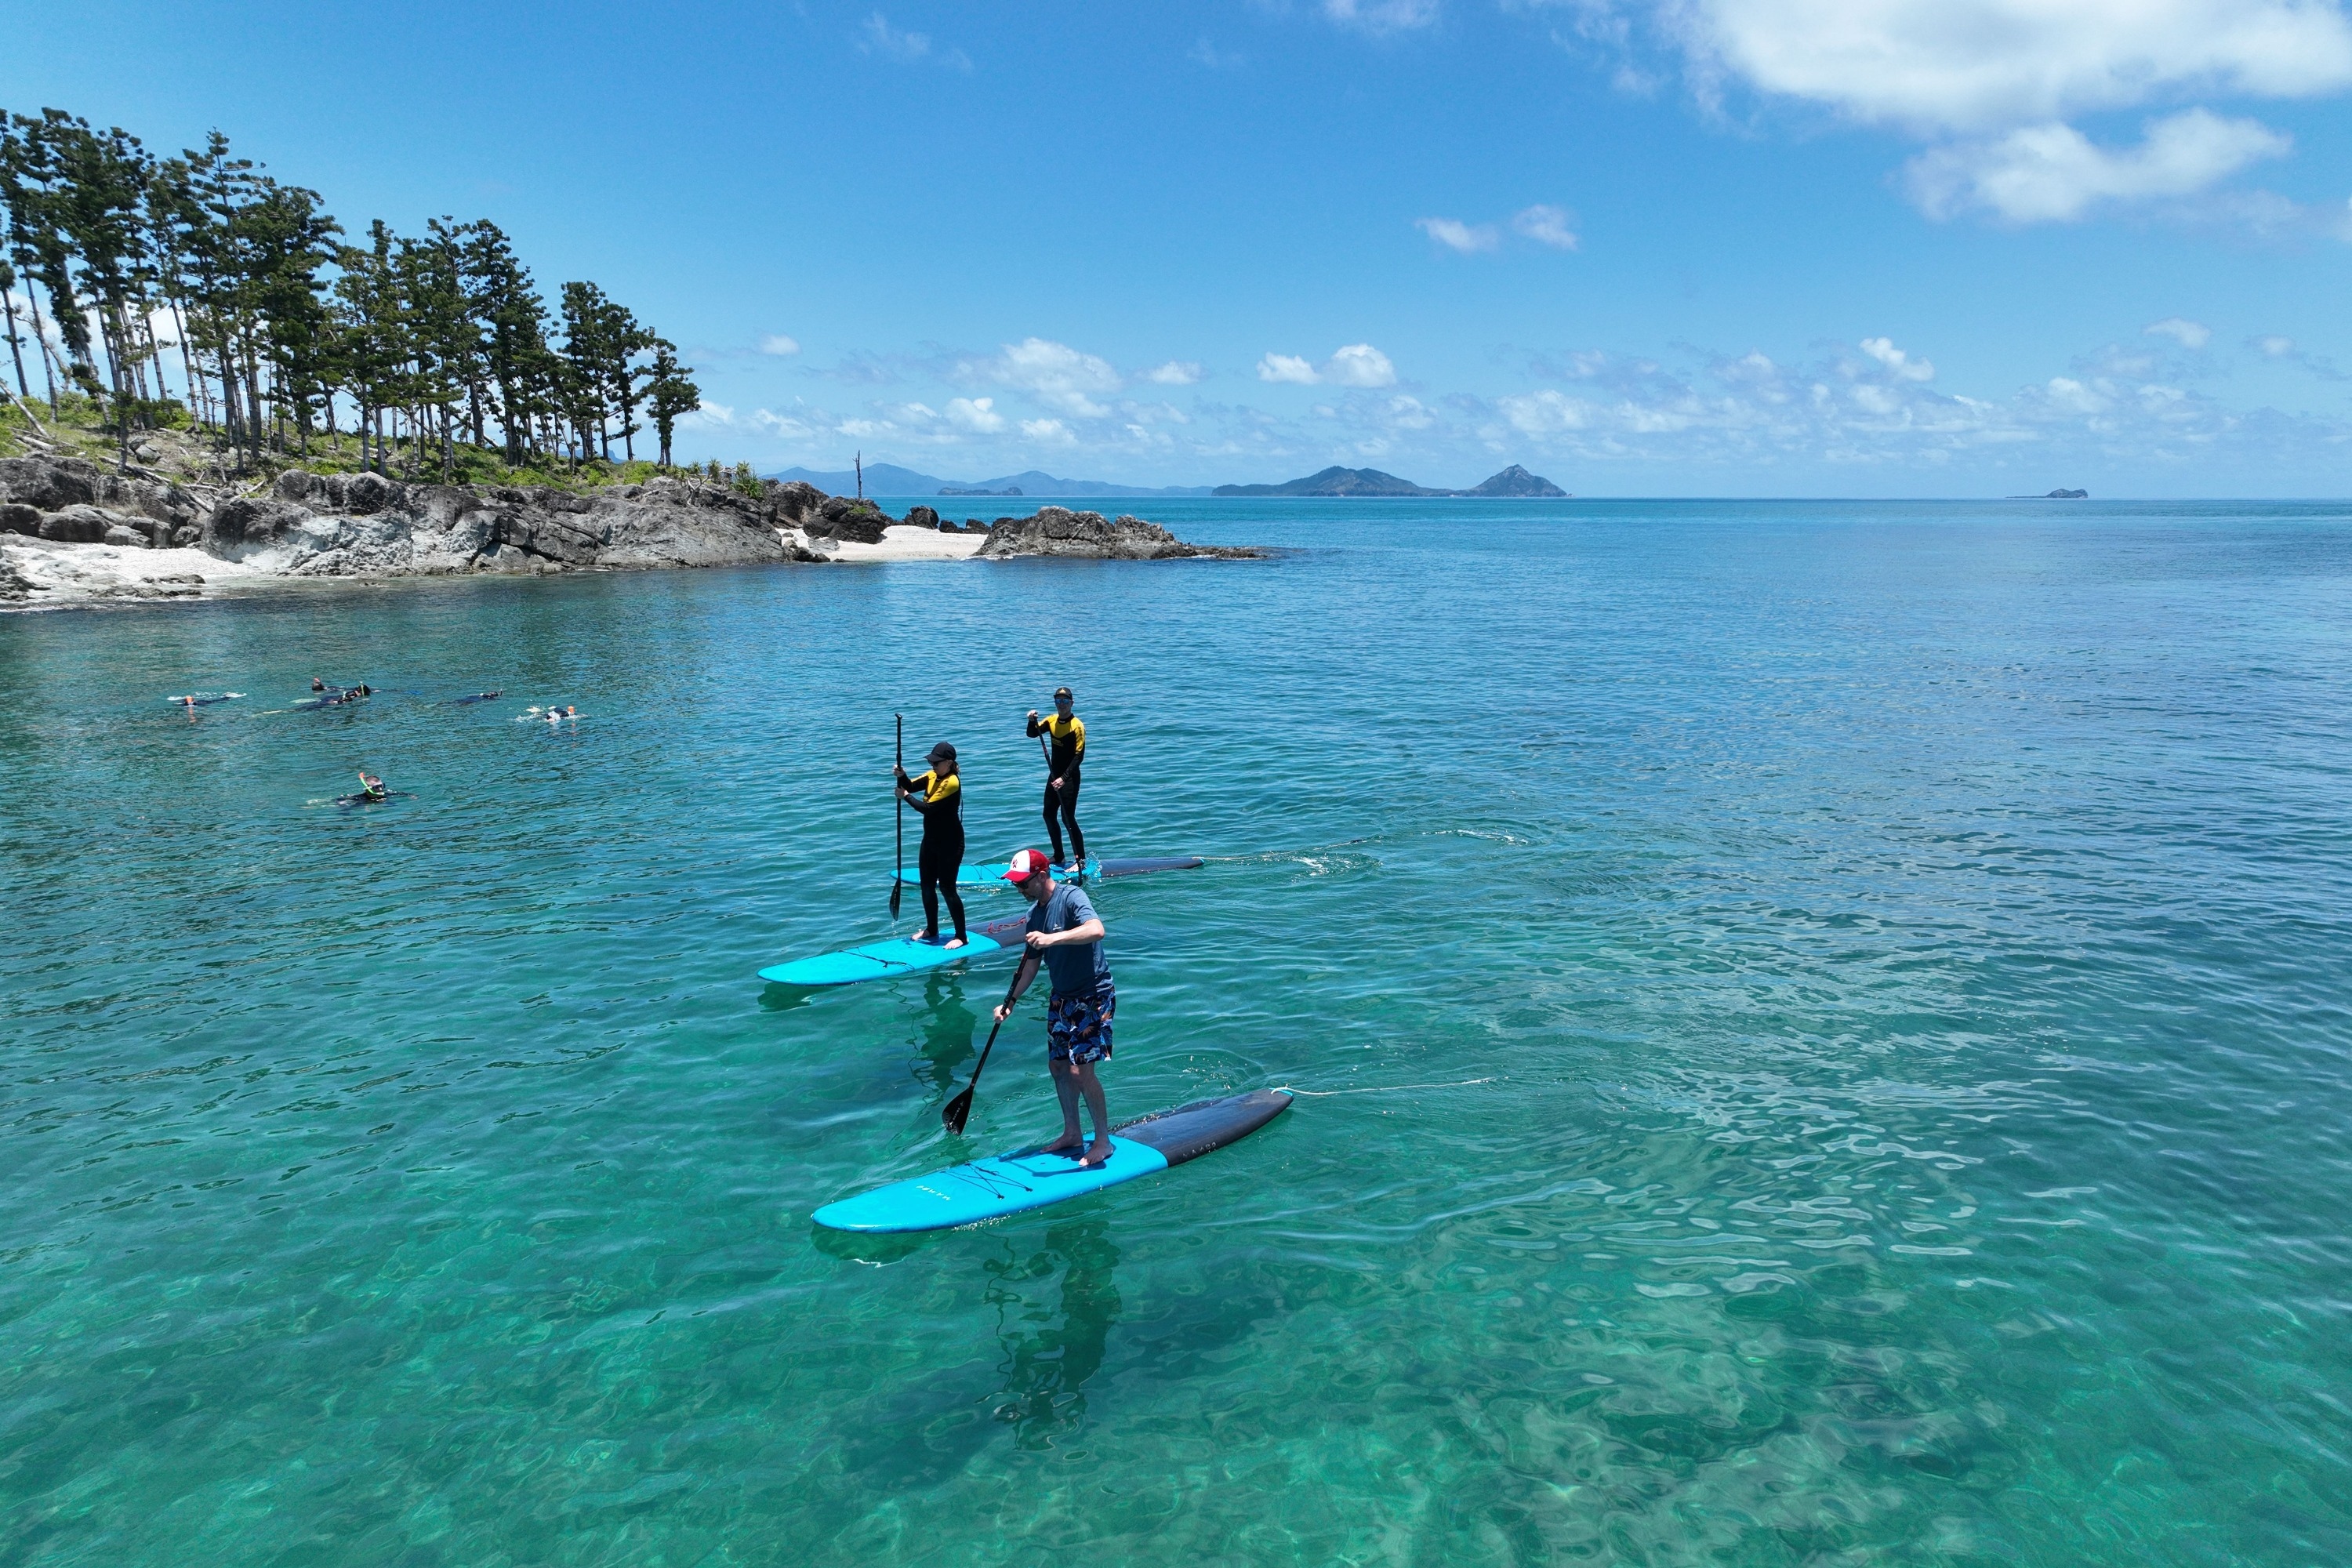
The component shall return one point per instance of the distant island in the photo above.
(890, 479)
(1513, 482)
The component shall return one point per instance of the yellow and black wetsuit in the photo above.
(1069, 754)
(940, 801)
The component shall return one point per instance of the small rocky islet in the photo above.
(365, 525)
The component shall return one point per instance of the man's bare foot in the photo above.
(929, 936)
(955, 942)
(1097, 1155)
(1063, 1144)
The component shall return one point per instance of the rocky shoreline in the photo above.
(72, 532)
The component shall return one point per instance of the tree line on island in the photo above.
(282, 325)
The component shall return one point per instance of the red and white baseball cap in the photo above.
(1027, 863)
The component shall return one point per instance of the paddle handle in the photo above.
(897, 817)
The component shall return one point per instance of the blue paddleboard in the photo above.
(1097, 868)
(898, 956)
(993, 874)
(875, 960)
(1029, 1178)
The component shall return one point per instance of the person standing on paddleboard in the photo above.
(1067, 934)
(939, 796)
(1061, 765)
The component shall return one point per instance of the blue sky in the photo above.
(1643, 247)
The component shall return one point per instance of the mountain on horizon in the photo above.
(1517, 482)
(890, 479)
(1514, 481)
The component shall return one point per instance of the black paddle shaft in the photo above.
(898, 817)
(957, 1112)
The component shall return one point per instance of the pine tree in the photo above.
(436, 338)
(669, 393)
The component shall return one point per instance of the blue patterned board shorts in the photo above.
(1077, 1025)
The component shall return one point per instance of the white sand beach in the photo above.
(905, 543)
(57, 573)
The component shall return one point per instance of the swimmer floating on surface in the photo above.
(372, 792)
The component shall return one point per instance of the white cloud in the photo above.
(881, 37)
(710, 415)
(1056, 374)
(1467, 238)
(1175, 373)
(1994, 83)
(1208, 53)
(1904, 367)
(899, 44)
(1382, 16)
(2053, 172)
(2276, 347)
(1052, 431)
(778, 344)
(2188, 334)
(1360, 364)
(1546, 412)
(977, 415)
(1984, 65)
(790, 426)
(2066, 393)
(1546, 226)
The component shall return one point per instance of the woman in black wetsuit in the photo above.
(939, 795)
(1067, 733)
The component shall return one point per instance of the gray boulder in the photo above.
(840, 517)
(243, 524)
(80, 524)
(50, 484)
(55, 484)
(1088, 535)
(18, 517)
(922, 517)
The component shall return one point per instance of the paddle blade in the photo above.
(895, 886)
(957, 1112)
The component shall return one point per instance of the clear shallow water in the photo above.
(1827, 1025)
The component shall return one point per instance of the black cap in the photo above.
(1060, 692)
(942, 753)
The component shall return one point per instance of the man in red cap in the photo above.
(1066, 935)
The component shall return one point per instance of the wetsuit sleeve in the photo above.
(1038, 727)
(919, 789)
(939, 794)
(1078, 742)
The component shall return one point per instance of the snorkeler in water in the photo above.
(372, 792)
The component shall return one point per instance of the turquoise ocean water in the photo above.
(1822, 1034)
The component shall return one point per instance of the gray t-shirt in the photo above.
(1077, 966)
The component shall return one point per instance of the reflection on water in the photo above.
(1055, 1308)
(948, 1023)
